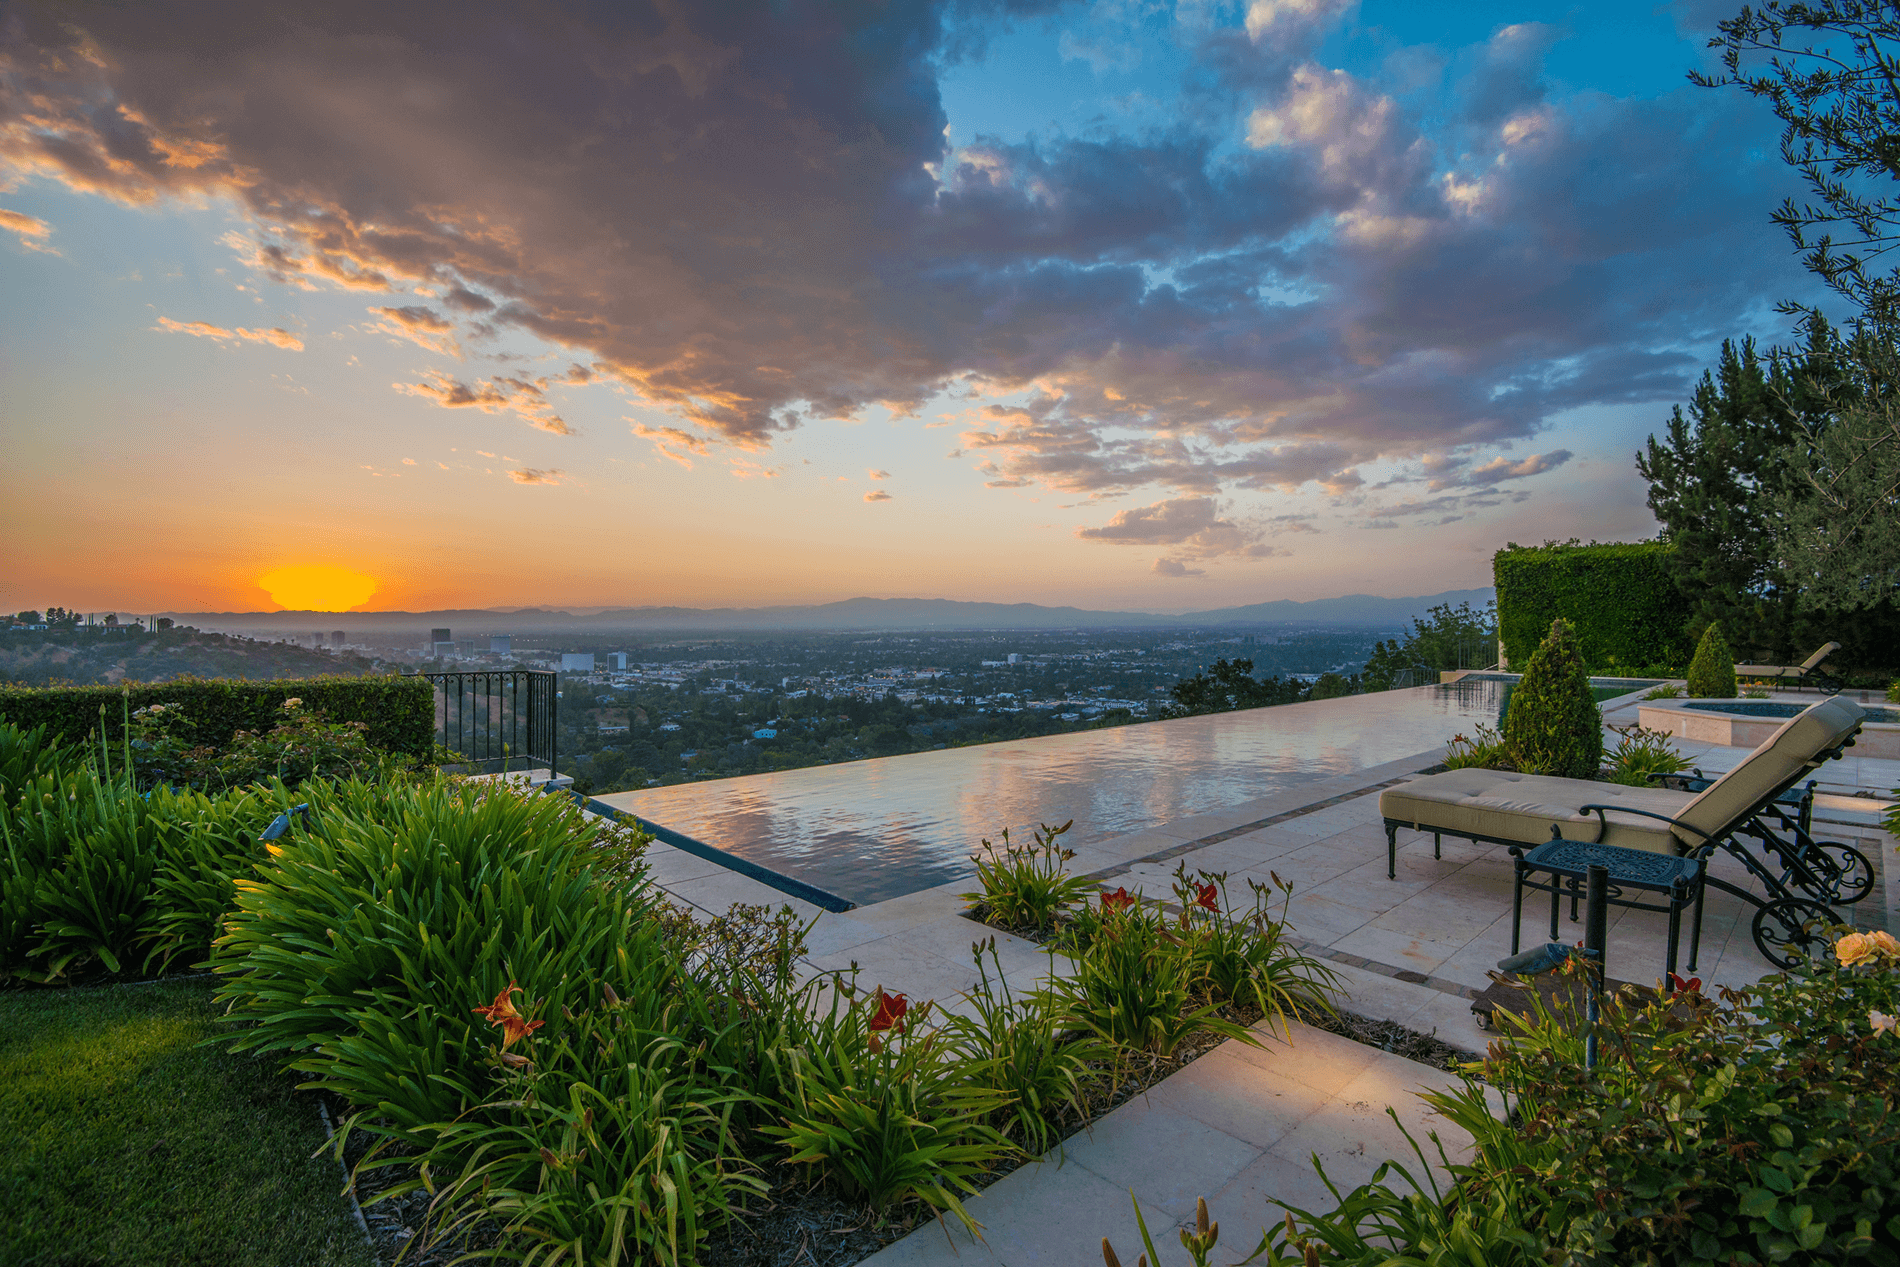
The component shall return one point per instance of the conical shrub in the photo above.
(1712, 672)
(1553, 725)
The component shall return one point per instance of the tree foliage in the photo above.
(1229, 684)
(1712, 671)
(1552, 724)
(1445, 638)
(1721, 469)
(1831, 73)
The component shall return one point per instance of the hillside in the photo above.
(86, 657)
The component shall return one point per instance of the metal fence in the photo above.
(497, 721)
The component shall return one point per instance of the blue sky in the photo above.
(1123, 305)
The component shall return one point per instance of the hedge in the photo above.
(399, 711)
(1620, 599)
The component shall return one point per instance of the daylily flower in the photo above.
(1684, 985)
(1207, 895)
(1119, 900)
(888, 1014)
(1882, 1023)
(502, 1012)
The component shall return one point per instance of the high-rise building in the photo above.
(338, 638)
(618, 659)
(500, 644)
(441, 642)
(577, 662)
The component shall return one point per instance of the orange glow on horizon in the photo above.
(317, 587)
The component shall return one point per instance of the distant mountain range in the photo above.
(1362, 610)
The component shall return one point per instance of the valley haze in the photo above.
(1364, 610)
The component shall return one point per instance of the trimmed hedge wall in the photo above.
(1620, 599)
(399, 711)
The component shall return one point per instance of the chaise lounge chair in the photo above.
(1807, 671)
(1507, 808)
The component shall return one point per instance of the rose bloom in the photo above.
(1882, 1023)
(1854, 949)
(1884, 944)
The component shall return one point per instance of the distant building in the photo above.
(614, 728)
(766, 733)
(501, 644)
(619, 660)
(337, 638)
(1015, 658)
(441, 642)
(577, 662)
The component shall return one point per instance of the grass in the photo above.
(124, 1141)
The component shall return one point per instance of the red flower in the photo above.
(1207, 895)
(1679, 985)
(888, 1014)
(1119, 900)
(502, 1012)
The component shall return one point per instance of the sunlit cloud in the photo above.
(421, 326)
(276, 336)
(877, 495)
(32, 232)
(530, 475)
(526, 398)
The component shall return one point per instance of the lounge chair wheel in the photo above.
(1789, 930)
(1848, 871)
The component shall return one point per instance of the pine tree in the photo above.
(1720, 471)
(1552, 724)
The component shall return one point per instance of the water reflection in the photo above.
(877, 829)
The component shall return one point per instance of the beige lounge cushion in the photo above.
(1505, 805)
(1781, 760)
(1524, 807)
(1782, 670)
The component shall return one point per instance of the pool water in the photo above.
(878, 829)
(1744, 708)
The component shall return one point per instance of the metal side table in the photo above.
(1566, 863)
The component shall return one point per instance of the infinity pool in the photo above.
(878, 829)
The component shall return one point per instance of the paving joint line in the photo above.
(1411, 977)
(1189, 846)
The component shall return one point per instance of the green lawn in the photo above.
(123, 1141)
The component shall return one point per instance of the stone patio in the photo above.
(1241, 1125)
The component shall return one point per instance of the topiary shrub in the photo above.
(1552, 724)
(1712, 672)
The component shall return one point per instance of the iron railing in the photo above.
(496, 721)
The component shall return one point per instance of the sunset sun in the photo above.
(317, 587)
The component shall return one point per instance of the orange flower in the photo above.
(1207, 895)
(1119, 900)
(502, 1012)
(1684, 985)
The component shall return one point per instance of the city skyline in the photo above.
(1126, 307)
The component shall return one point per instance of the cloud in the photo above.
(524, 397)
(32, 232)
(749, 218)
(1288, 20)
(419, 325)
(1192, 526)
(1174, 567)
(408, 461)
(276, 336)
(876, 474)
(530, 475)
(877, 495)
(1448, 471)
(673, 443)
